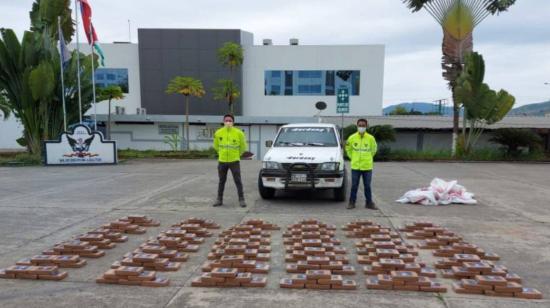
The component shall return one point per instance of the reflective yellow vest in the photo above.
(230, 144)
(361, 151)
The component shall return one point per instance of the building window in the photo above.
(289, 89)
(311, 82)
(355, 79)
(329, 83)
(310, 74)
(275, 90)
(168, 129)
(112, 76)
(309, 89)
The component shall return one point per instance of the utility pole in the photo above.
(440, 105)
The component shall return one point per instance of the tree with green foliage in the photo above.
(458, 18)
(483, 106)
(227, 91)
(382, 133)
(186, 86)
(514, 138)
(44, 15)
(400, 110)
(30, 74)
(230, 56)
(173, 141)
(4, 107)
(108, 94)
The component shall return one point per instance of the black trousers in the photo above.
(235, 168)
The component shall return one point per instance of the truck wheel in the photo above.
(265, 192)
(340, 193)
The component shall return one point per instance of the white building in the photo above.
(119, 57)
(278, 85)
(314, 70)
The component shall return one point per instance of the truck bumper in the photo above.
(278, 179)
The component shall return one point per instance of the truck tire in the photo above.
(265, 192)
(340, 193)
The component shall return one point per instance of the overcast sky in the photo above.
(515, 45)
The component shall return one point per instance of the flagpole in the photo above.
(61, 62)
(129, 32)
(78, 63)
(93, 75)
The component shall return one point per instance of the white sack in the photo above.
(439, 192)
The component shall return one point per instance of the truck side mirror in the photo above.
(269, 143)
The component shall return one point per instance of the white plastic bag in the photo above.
(439, 192)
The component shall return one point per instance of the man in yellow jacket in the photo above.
(361, 148)
(230, 144)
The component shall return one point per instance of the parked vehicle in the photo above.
(304, 156)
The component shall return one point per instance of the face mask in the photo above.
(228, 124)
(362, 130)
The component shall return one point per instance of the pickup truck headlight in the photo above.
(329, 166)
(271, 165)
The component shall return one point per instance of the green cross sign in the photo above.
(343, 96)
(342, 101)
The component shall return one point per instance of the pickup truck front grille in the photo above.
(300, 167)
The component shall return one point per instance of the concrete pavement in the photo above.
(42, 206)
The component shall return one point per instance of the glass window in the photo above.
(288, 83)
(311, 82)
(309, 89)
(275, 90)
(329, 83)
(112, 76)
(306, 136)
(310, 74)
(355, 77)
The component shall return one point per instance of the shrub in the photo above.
(512, 139)
(382, 133)
(20, 159)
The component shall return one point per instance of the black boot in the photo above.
(371, 206)
(219, 202)
(351, 205)
(242, 203)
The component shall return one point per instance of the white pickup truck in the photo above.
(304, 156)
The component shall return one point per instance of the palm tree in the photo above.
(26, 66)
(230, 55)
(186, 86)
(227, 91)
(483, 106)
(458, 18)
(109, 93)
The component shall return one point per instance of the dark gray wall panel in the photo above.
(166, 53)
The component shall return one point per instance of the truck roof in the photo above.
(310, 125)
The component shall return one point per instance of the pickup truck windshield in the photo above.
(306, 137)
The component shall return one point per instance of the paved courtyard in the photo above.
(42, 206)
